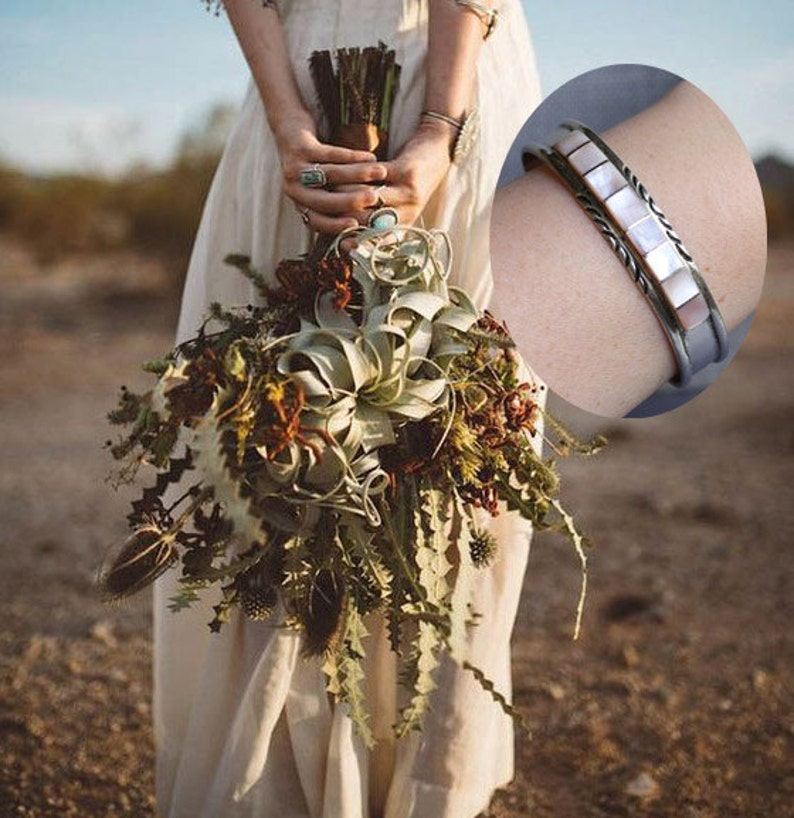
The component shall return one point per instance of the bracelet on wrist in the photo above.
(466, 131)
(450, 120)
(644, 240)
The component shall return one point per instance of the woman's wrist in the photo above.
(593, 338)
(430, 147)
(285, 126)
(432, 131)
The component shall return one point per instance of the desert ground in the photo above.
(675, 702)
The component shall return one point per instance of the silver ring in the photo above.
(313, 176)
(305, 215)
(384, 218)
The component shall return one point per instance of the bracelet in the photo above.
(488, 16)
(456, 124)
(466, 132)
(644, 240)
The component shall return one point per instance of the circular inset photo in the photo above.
(628, 241)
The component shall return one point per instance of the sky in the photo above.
(99, 85)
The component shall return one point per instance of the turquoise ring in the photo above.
(383, 218)
(313, 177)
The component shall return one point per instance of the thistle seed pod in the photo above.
(482, 548)
(256, 593)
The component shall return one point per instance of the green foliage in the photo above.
(345, 672)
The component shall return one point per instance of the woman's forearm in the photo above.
(261, 37)
(327, 209)
(576, 314)
(454, 41)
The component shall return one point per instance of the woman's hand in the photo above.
(413, 176)
(328, 210)
(264, 45)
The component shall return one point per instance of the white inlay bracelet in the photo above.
(645, 242)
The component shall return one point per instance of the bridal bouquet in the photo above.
(339, 447)
(334, 451)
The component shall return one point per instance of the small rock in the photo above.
(760, 679)
(643, 786)
(102, 632)
(118, 675)
(630, 656)
(667, 696)
(631, 607)
(556, 691)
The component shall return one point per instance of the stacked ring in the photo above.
(313, 176)
(305, 216)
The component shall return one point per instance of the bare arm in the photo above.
(261, 37)
(575, 313)
(454, 42)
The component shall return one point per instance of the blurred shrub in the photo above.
(163, 208)
(154, 211)
(779, 215)
(56, 214)
(777, 183)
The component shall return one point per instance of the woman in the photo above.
(243, 724)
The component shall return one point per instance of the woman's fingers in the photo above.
(332, 202)
(356, 174)
(384, 196)
(335, 155)
(335, 175)
(326, 224)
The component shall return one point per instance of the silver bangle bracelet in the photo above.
(644, 240)
(427, 114)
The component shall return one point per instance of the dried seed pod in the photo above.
(256, 593)
(323, 615)
(144, 556)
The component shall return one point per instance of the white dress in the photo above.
(243, 725)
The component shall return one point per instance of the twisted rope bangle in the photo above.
(455, 123)
(645, 242)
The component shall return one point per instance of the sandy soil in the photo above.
(676, 701)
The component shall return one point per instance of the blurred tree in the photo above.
(777, 182)
(208, 137)
(164, 207)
